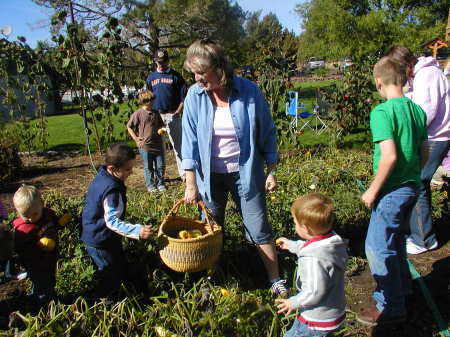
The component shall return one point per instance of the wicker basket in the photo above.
(189, 255)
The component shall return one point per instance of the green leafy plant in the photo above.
(352, 98)
(10, 162)
(24, 84)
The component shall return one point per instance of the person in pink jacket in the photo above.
(430, 89)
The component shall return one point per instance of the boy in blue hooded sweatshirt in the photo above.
(103, 226)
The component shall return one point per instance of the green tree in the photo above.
(152, 24)
(339, 28)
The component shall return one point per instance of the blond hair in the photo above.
(145, 97)
(26, 197)
(390, 71)
(314, 211)
(205, 55)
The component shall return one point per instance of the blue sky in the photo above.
(25, 17)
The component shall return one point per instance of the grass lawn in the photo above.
(66, 131)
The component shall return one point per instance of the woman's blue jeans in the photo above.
(421, 226)
(154, 167)
(386, 248)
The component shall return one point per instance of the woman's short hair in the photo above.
(26, 197)
(390, 71)
(145, 96)
(314, 211)
(402, 55)
(205, 55)
(118, 155)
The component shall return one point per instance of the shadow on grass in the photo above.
(69, 147)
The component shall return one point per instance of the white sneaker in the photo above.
(413, 249)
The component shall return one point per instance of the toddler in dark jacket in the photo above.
(36, 241)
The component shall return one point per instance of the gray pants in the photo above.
(174, 131)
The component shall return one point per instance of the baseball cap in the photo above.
(161, 55)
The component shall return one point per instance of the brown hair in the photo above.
(404, 56)
(314, 211)
(118, 155)
(390, 71)
(204, 55)
(145, 97)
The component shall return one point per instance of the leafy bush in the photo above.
(10, 163)
(352, 98)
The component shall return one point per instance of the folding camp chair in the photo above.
(303, 116)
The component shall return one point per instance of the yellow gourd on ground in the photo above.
(224, 292)
(65, 219)
(47, 243)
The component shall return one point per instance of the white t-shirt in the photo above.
(225, 146)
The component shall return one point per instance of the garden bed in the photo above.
(166, 296)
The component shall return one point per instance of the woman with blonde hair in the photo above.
(229, 138)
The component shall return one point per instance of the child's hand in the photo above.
(140, 141)
(281, 242)
(271, 183)
(368, 198)
(146, 232)
(285, 306)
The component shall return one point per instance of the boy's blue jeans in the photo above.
(420, 223)
(300, 329)
(386, 248)
(111, 268)
(154, 166)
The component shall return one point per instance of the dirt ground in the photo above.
(71, 173)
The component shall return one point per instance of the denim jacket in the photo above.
(255, 132)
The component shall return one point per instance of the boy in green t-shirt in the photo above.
(399, 134)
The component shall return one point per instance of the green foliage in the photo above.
(334, 29)
(10, 163)
(24, 81)
(76, 274)
(273, 65)
(88, 71)
(177, 304)
(352, 98)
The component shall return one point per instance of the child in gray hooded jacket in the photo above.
(322, 259)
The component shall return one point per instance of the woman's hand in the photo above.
(191, 194)
(271, 183)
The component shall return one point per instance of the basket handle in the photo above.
(208, 216)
